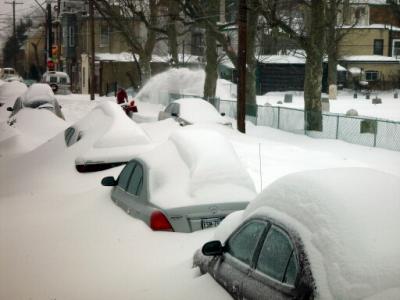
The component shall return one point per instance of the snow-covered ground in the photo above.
(61, 236)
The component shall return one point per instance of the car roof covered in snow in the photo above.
(348, 219)
(9, 91)
(110, 134)
(196, 166)
(38, 91)
(197, 110)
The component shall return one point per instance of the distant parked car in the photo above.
(109, 138)
(326, 234)
(189, 111)
(37, 96)
(190, 182)
(59, 82)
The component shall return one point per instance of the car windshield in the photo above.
(36, 103)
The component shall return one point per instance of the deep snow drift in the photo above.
(61, 236)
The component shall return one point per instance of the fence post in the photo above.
(375, 132)
(279, 115)
(337, 127)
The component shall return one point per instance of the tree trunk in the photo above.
(173, 11)
(313, 69)
(210, 84)
(144, 61)
(331, 40)
(252, 21)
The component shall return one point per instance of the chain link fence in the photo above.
(356, 130)
(365, 131)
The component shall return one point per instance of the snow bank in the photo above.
(348, 220)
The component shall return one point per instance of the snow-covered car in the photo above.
(37, 96)
(325, 234)
(108, 137)
(9, 92)
(187, 111)
(188, 183)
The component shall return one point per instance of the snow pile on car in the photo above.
(203, 164)
(349, 221)
(38, 91)
(196, 110)
(113, 128)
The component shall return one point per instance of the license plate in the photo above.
(211, 222)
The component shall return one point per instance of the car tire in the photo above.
(54, 87)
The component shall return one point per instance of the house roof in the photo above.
(371, 26)
(369, 59)
(370, 2)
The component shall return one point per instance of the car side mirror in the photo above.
(212, 248)
(223, 114)
(109, 181)
(9, 109)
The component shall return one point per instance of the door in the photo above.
(233, 268)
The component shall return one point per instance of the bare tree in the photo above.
(309, 31)
(224, 34)
(126, 17)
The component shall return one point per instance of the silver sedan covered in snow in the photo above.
(324, 234)
(190, 182)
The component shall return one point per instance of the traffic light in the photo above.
(50, 65)
(54, 50)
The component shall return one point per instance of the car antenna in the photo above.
(259, 154)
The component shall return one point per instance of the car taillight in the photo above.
(158, 221)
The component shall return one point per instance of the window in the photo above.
(68, 134)
(371, 75)
(378, 47)
(71, 36)
(104, 35)
(243, 244)
(173, 108)
(396, 48)
(53, 79)
(276, 257)
(197, 44)
(136, 180)
(125, 175)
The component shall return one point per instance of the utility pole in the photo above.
(14, 28)
(49, 31)
(92, 50)
(242, 47)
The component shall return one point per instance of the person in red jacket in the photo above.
(122, 96)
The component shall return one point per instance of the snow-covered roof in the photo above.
(196, 166)
(371, 26)
(348, 219)
(371, 2)
(369, 58)
(128, 57)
